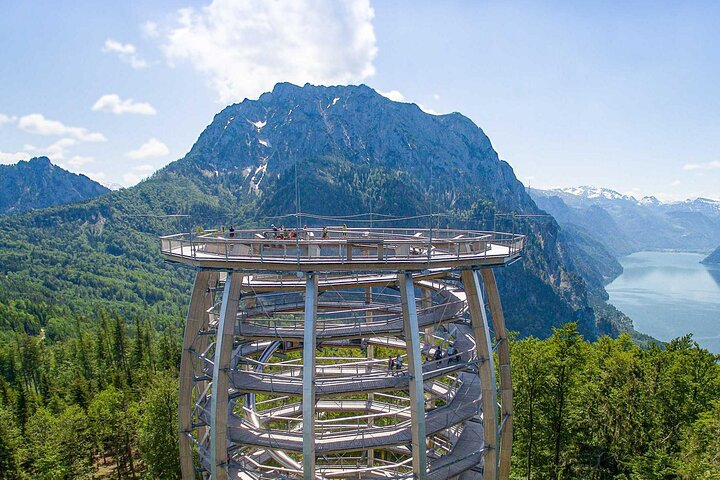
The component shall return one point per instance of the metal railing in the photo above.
(341, 246)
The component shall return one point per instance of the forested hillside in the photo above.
(102, 404)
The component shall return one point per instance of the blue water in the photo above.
(670, 294)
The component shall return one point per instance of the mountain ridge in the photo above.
(341, 151)
(626, 225)
(713, 258)
(592, 192)
(37, 183)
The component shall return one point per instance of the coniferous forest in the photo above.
(100, 401)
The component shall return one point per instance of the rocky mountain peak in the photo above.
(255, 145)
(40, 162)
(37, 183)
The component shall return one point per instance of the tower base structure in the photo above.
(348, 353)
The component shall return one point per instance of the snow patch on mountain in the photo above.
(259, 124)
(594, 192)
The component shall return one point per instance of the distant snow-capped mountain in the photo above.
(593, 192)
(625, 224)
(704, 205)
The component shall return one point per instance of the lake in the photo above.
(670, 294)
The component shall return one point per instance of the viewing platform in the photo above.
(345, 353)
(335, 249)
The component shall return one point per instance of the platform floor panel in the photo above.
(467, 453)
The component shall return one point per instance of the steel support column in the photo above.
(220, 399)
(486, 367)
(370, 356)
(197, 318)
(308, 372)
(417, 394)
(503, 353)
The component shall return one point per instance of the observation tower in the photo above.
(289, 343)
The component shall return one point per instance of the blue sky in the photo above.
(623, 95)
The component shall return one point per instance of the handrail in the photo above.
(342, 246)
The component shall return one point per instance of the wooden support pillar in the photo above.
(417, 393)
(219, 403)
(486, 367)
(308, 376)
(197, 318)
(503, 353)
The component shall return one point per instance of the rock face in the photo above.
(713, 258)
(39, 184)
(339, 133)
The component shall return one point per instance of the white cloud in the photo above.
(144, 168)
(130, 179)
(7, 118)
(150, 29)
(114, 104)
(79, 161)
(7, 158)
(152, 148)
(702, 166)
(56, 151)
(126, 52)
(397, 96)
(436, 96)
(393, 95)
(115, 46)
(675, 183)
(97, 176)
(37, 123)
(427, 109)
(244, 48)
(137, 174)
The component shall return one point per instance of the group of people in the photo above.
(286, 234)
(282, 233)
(395, 365)
(451, 354)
